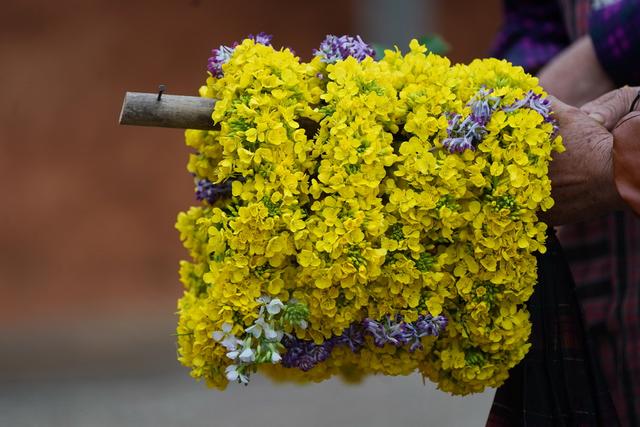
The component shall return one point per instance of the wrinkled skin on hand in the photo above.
(582, 176)
(611, 107)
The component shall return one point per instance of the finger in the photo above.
(634, 115)
(612, 106)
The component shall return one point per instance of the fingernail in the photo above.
(597, 117)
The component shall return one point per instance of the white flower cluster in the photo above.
(259, 344)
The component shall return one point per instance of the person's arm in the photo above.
(575, 76)
(606, 58)
(532, 33)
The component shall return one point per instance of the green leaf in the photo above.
(434, 43)
(379, 48)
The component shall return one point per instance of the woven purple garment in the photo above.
(532, 33)
(615, 31)
(535, 31)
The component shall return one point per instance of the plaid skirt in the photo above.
(558, 383)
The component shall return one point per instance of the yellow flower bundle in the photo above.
(393, 233)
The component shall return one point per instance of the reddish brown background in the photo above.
(86, 224)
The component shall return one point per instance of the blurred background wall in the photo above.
(88, 252)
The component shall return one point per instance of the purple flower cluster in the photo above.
(537, 103)
(261, 38)
(463, 134)
(431, 325)
(533, 101)
(305, 355)
(483, 105)
(466, 134)
(334, 48)
(352, 337)
(222, 54)
(401, 333)
(218, 57)
(210, 192)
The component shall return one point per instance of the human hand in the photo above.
(575, 76)
(611, 107)
(615, 111)
(582, 176)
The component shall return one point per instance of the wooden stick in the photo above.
(170, 111)
(177, 111)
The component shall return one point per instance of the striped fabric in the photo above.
(558, 383)
(605, 261)
(604, 254)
